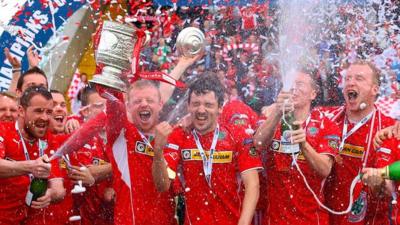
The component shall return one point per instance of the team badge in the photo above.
(312, 131)
(43, 145)
(221, 135)
(253, 151)
(186, 154)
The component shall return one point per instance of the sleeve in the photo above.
(388, 153)
(327, 139)
(172, 149)
(248, 156)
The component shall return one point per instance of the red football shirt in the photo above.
(14, 189)
(220, 204)
(236, 112)
(149, 205)
(349, 164)
(288, 196)
(387, 154)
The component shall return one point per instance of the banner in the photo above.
(34, 24)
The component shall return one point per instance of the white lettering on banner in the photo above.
(17, 49)
(60, 2)
(22, 42)
(43, 18)
(29, 35)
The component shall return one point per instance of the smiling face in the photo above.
(204, 111)
(8, 109)
(144, 106)
(59, 118)
(360, 86)
(36, 116)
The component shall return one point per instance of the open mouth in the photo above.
(41, 124)
(352, 95)
(59, 118)
(144, 115)
(201, 117)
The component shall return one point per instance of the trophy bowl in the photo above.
(115, 50)
(190, 42)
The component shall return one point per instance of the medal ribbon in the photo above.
(42, 145)
(345, 135)
(145, 140)
(207, 162)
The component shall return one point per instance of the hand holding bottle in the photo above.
(298, 134)
(43, 201)
(41, 167)
(372, 177)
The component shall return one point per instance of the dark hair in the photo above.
(208, 83)
(85, 93)
(31, 92)
(55, 91)
(28, 72)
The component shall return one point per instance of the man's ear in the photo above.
(21, 111)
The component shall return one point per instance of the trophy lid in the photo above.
(190, 41)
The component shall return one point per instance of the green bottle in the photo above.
(287, 126)
(37, 189)
(391, 172)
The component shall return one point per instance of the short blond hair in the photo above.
(141, 84)
(376, 73)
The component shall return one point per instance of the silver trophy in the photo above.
(115, 49)
(190, 42)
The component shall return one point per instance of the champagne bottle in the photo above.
(391, 172)
(287, 126)
(37, 189)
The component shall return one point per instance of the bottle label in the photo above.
(286, 144)
(28, 197)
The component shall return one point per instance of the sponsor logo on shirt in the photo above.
(1, 139)
(247, 141)
(352, 151)
(332, 137)
(384, 150)
(172, 146)
(142, 148)
(219, 156)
